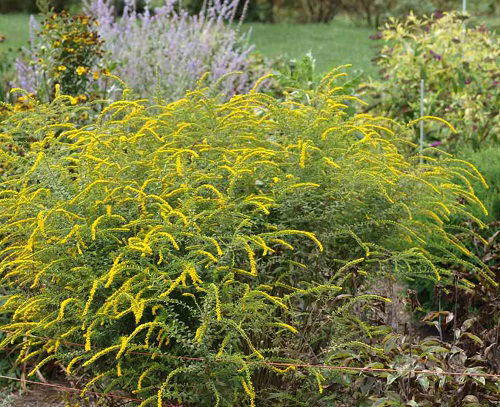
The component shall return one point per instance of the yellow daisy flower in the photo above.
(81, 70)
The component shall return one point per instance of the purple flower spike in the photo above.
(166, 51)
(436, 143)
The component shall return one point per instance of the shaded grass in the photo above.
(338, 43)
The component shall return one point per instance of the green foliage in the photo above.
(467, 320)
(294, 79)
(7, 364)
(407, 353)
(374, 12)
(302, 11)
(477, 305)
(297, 74)
(459, 66)
(32, 6)
(487, 160)
(237, 232)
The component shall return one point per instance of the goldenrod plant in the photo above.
(184, 244)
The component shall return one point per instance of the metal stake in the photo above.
(421, 115)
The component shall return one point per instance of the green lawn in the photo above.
(15, 27)
(338, 43)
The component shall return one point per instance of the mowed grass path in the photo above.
(338, 43)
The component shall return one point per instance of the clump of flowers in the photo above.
(165, 51)
(65, 50)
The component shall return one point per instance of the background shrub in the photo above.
(30, 6)
(197, 228)
(376, 12)
(459, 66)
(373, 11)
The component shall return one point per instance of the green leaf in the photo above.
(424, 382)
(475, 338)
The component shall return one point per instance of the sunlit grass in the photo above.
(338, 43)
(15, 28)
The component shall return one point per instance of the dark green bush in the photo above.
(30, 6)
(374, 12)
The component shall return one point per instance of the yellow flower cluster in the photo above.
(81, 70)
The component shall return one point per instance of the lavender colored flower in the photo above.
(435, 55)
(438, 14)
(166, 51)
(28, 74)
(436, 143)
